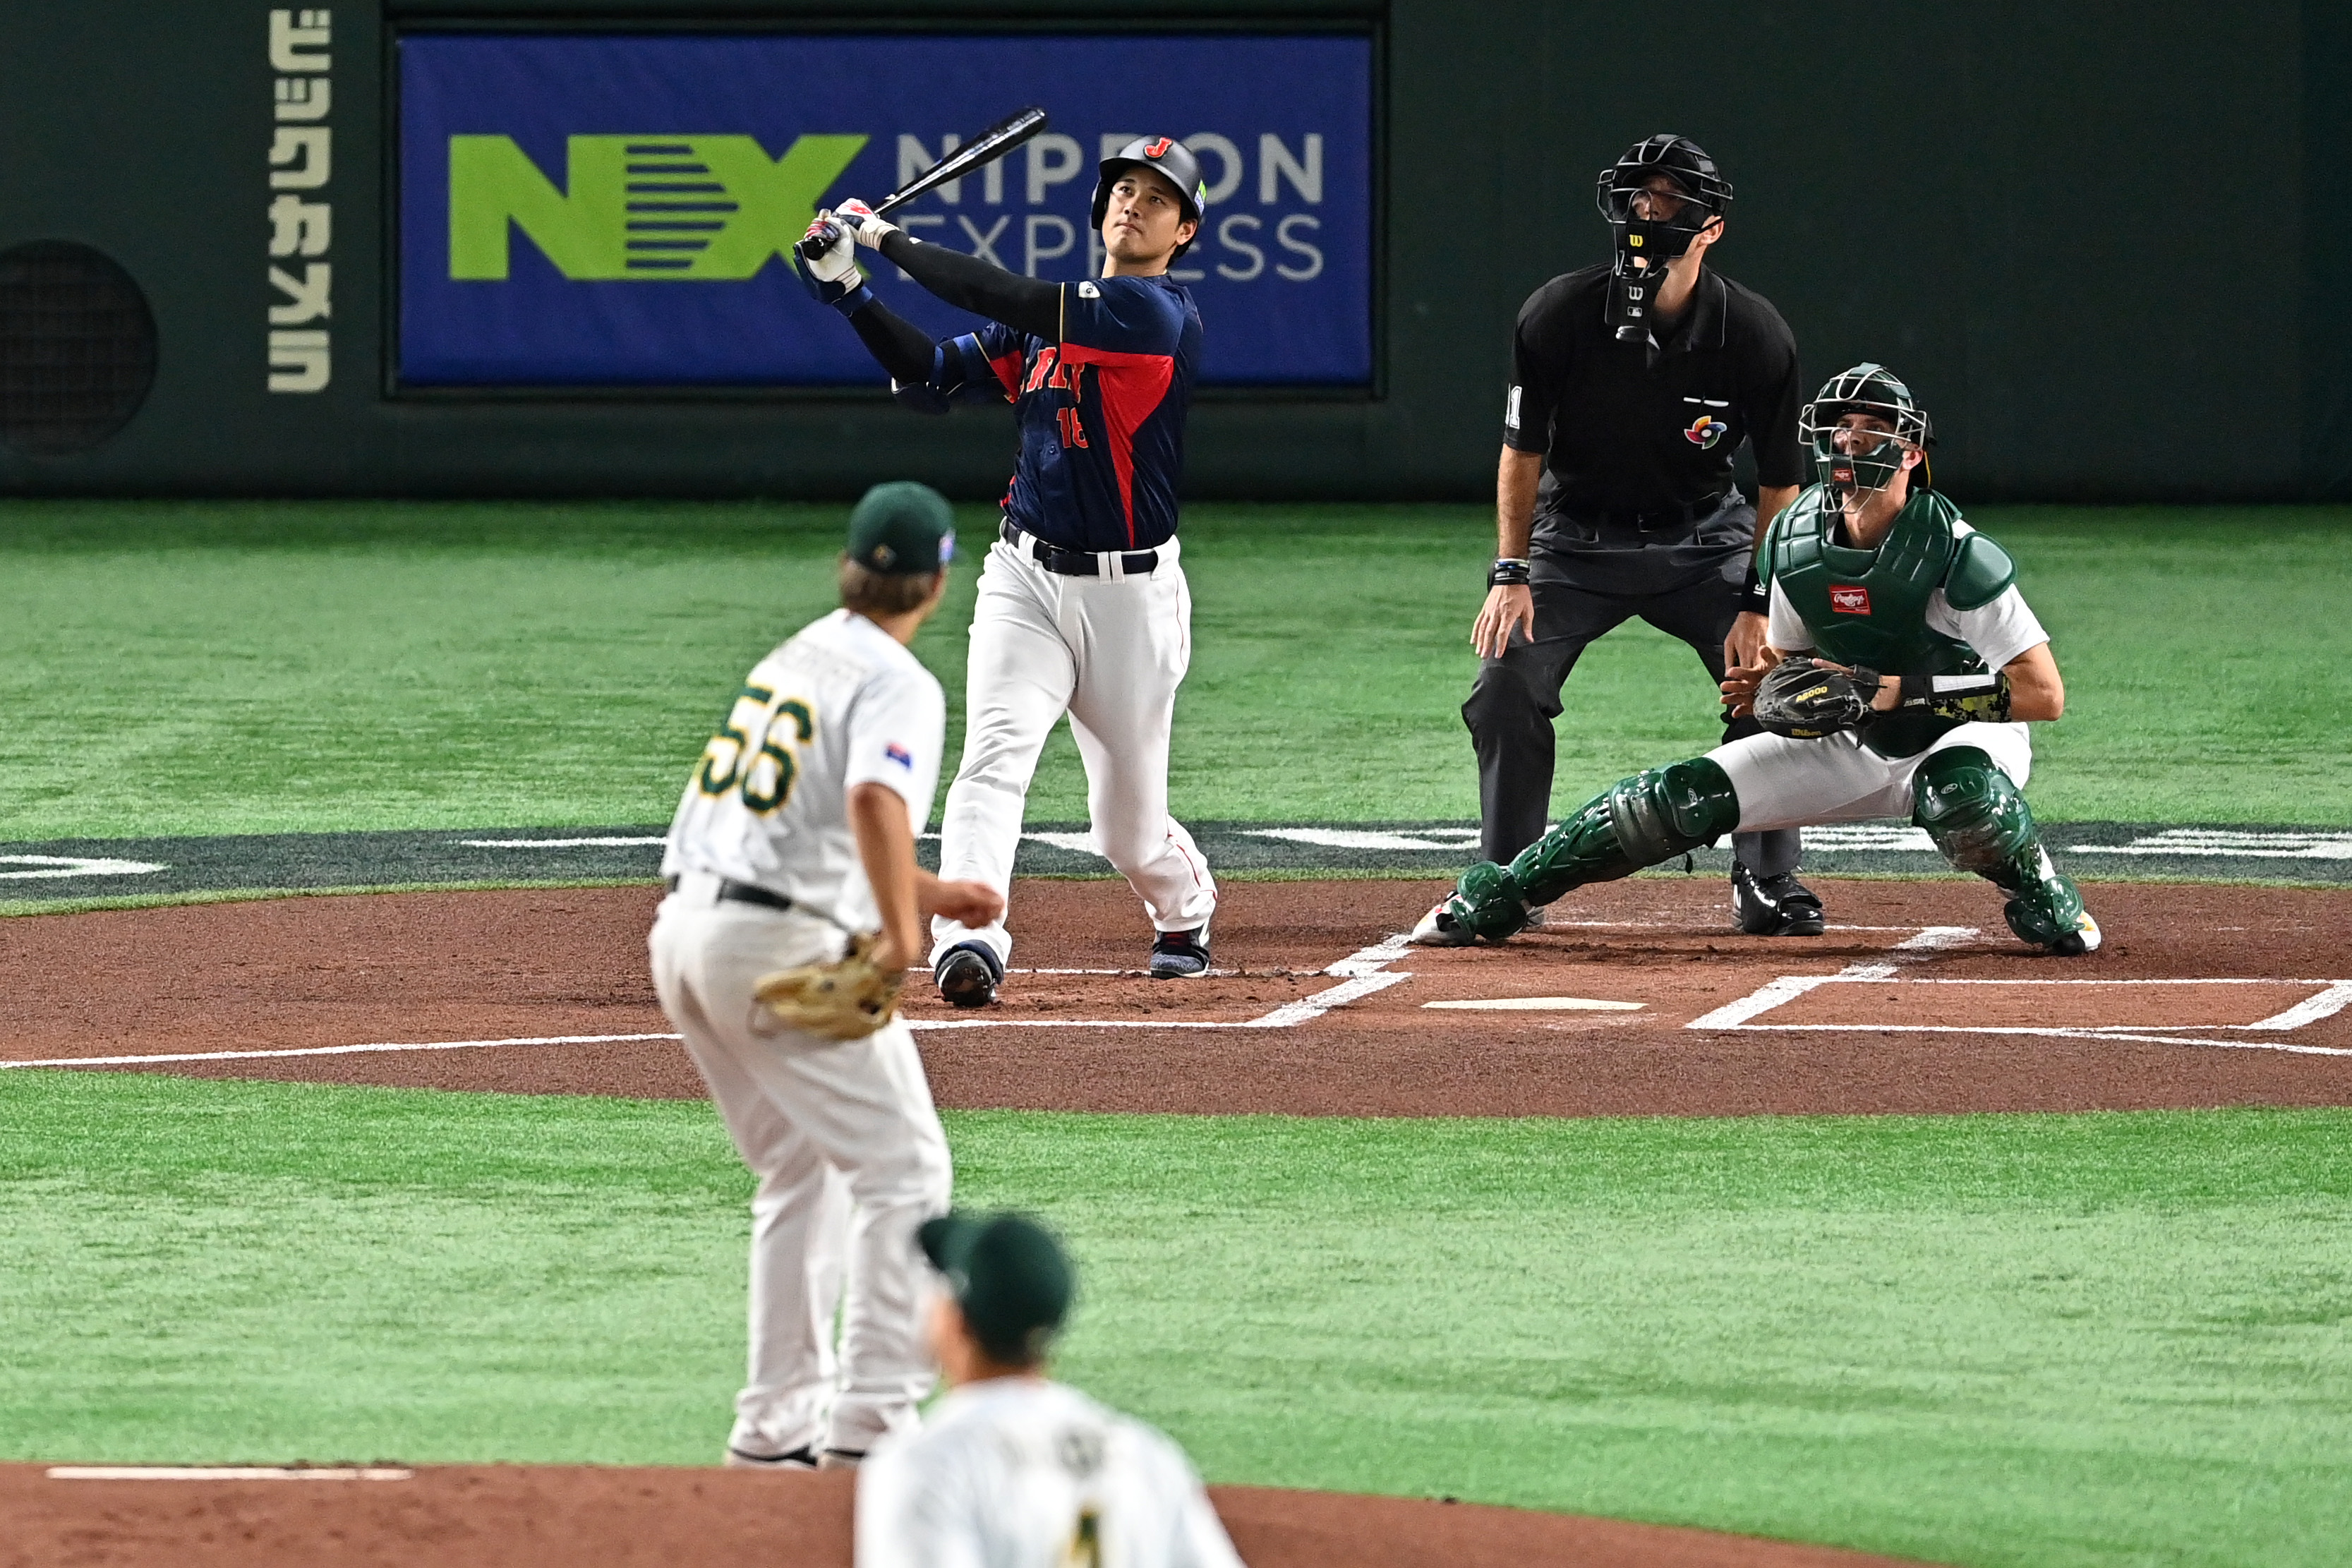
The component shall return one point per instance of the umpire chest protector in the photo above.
(1870, 607)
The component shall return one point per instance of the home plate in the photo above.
(1538, 1004)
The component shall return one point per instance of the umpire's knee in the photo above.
(1508, 698)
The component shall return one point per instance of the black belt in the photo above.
(1073, 562)
(1650, 522)
(740, 893)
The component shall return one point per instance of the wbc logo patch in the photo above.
(1854, 601)
(1706, 431)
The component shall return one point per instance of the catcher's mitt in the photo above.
(847, 999)
(1806, 699)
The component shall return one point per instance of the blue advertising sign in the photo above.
(604, 210)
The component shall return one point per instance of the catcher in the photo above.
(798, 829)
(1901, 669)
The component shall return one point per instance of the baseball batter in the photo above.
(796, 828)
(1012, 1470)
(1901, 669)
(1083, 607)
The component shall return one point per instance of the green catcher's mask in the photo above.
(1859, 425)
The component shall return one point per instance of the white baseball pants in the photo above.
(851, 1158)
(1109, 651)
(1784, 783)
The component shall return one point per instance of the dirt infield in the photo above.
(1638, 1000)
(1916, 1000)
(492, 1516)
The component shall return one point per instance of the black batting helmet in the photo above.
(1679, 159)
(1169, 157)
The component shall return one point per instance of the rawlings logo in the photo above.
(1160, 149)
(1850, 601)
(1706, 431)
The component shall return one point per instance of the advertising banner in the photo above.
(614, 210)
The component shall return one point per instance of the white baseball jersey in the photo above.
(1018, 1472)
(839, 705)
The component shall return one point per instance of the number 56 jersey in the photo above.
(839, 705)
(1019, 1472)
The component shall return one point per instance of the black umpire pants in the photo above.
(1516, 696)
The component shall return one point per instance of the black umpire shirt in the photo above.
(1636, 434)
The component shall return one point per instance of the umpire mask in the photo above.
(1657, 199)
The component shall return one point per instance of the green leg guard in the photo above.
(1979, 821)
(1655, 815)
(1487, 903)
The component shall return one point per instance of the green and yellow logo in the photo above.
(694, 208)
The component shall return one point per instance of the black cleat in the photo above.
(1774, 906)
(967, 975)
(803, 1459)
(1180, 954)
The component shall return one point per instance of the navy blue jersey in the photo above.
(1101, 413)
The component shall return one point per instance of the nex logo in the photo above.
(695, 208)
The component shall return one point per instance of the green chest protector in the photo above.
(1870, 607)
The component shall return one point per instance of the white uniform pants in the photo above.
(850, 1157)
(1783, 783)
(1111, 652)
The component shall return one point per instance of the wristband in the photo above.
(851, 304)
(1755, 598)
(1982, 698)
(1507, 571)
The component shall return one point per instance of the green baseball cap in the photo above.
(902, 529)
(1008, 1274)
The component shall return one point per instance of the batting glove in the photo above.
(859, 219)
(832, 276)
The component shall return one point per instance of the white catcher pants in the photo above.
(850, 1157)
(1111, 652)
(1784, 783)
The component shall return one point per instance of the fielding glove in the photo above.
(1806, 699)
(847, 999)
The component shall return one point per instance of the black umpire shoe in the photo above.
(1180, 954)
(1774, 906)
(967, 974)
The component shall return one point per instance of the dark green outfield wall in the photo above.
(2106, 242)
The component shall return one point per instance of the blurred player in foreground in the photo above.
(797, 828)
(1012, 1470)
(1083, 608)
(1938, 667)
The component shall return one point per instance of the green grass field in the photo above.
(2047, 1340)
(199, 668)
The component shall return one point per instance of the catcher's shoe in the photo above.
(1439, 929)
(967, 975)
(1180, 954)
(802, 1459)
(1774, 906)
(2081, 936)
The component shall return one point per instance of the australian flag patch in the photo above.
(900, 756)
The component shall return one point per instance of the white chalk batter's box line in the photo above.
(1359, 974)
(2328, 998)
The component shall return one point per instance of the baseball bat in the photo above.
(977, 153)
